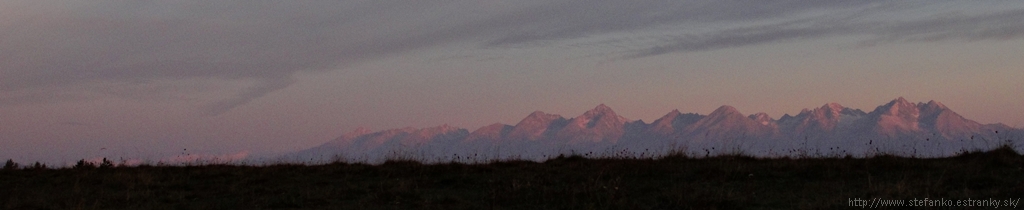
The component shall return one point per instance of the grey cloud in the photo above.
(772, 21)
(141, 41)
(249, 94)
(737, 38)
(46, 45)
(573, 19)
(996, 26)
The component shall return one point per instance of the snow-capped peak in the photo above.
(761, 118)
(724, 110)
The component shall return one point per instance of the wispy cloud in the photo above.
(738, 37)
(995, 26)
(261, 89)
(949, 27)
(48, 47)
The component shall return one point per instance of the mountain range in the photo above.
(897, 128)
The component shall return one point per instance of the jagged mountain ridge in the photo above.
(898, 127)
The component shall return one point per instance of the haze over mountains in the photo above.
(898, 127)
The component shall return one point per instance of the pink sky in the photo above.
(147, 80)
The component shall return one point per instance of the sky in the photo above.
(173, 80)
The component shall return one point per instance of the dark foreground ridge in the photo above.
(576, 182)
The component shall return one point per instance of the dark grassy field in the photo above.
(674, 182)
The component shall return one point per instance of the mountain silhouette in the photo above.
(898, 127)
